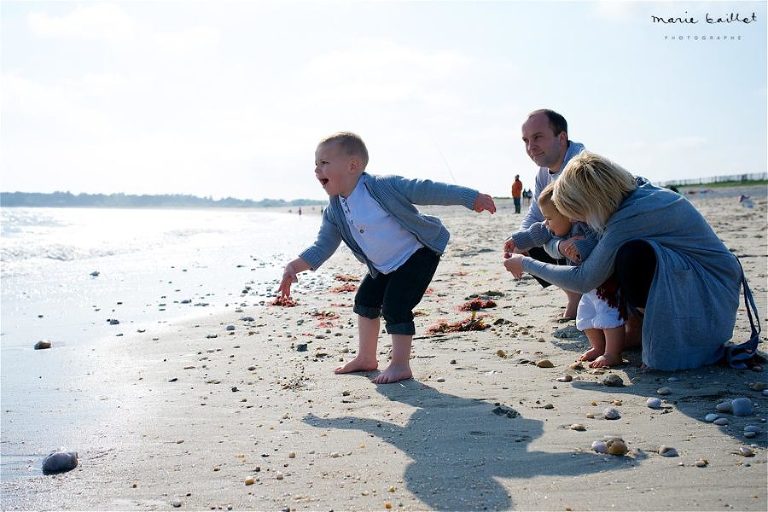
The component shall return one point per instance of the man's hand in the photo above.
(509, 247)
(568, 249)
(514, 264)
(484, 202)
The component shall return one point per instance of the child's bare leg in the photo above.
(365, 361)
(572, 305)
(399, 367)
(614, 344)
(634, 330)
(597, 344)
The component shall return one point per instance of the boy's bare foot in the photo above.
(605, 361)
(591, 354)
(393, 373)
(358, 364)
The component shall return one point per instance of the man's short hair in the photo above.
(350, 143)
(556, 121)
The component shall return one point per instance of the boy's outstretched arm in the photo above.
(484, 202)
(295, 267)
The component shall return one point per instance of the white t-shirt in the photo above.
(383, 240)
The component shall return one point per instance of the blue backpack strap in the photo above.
(738, 355)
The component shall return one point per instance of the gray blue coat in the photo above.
(691, 309)
(397, 196)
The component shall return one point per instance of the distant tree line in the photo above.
(67, 199)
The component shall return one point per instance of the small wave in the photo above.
(53, 252)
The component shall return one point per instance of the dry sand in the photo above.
(190, 417)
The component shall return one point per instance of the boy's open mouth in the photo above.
(323, 181)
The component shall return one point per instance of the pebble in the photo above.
(576, 366)
(301, 347)
(42, 345)
(250, 480)
(279, 476)
(721, 422)
(176, 503)
(545, 363)
(612, 380)
(701, 463)
(230, 327)
(741, 406)
(724, 407)
(59, 461)
(611, 413)
(746, 451)
(709, 418)
(667, 451)
(653, 403)
(753, 429)
(600, 446)
(578, 427)
(565, 378)
(765, 392)
(663, 391)
(750, 435)
(759, 386)
(617, 446)
(441, 379)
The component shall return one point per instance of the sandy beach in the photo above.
(242, 411)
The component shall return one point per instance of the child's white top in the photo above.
(383, 240)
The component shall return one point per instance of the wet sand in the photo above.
(189, 415)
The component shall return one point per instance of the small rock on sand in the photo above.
(612, 380)
(653, 403)
(59, 461)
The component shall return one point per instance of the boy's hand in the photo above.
(484, 202)
(514, 264)
(289, 277)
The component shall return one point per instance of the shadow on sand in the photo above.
(460, 447)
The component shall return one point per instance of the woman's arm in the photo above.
(589, 275)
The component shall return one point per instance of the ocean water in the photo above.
(67, 272)
(84, 277)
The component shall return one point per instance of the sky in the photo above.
(229, 98)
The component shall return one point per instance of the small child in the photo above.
(375, 216)
(600, 320)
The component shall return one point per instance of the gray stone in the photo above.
(741, 407)
(59, 461)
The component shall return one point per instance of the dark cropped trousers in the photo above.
(394, 295)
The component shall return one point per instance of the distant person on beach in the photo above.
(675, 277)
(527, 195)
(598, 313)
(517, 192)
(545, 134)
(375, 216)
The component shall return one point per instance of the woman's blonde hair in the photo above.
(591, 189)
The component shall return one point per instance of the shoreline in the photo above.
(185, 419)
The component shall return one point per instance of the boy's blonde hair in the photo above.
(591, 188)
(350, 143)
